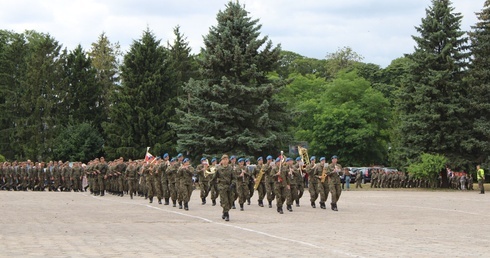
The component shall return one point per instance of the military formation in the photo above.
(171, 181)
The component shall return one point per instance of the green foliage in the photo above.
(80, 142)
(144, 104)
(478, 143)
(342, 59)
(433, 104)
(429, 166)
(2, 158)
(232, 108)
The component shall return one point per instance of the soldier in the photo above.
(66, 175)
(269, 182)
(300, 180)
(322, 186)
(77, 177)
(172, 180)
(312, 181)
(164, 178)
(243, 178)
(234, 190)
(131, 175)
(333, 171)
(149, 173)
(214, 187)
(185, 173)
(203, 179)
(120, 169)
(279, 175)
(470, 182)
(261, 185)
(224, 178)
(251, 181)
(102, 169)
(156, 179)
(293, 174)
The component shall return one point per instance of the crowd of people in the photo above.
(234, 180)
(172, 180)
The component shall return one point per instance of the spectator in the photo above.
(347, 178)
(462, 181)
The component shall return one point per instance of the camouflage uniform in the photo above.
(224, 178)
(281, 184)
(185, 174)
(333, 171)
(312, 184)
(243, 179)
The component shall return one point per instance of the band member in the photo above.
(333, 173)
(185, 173)
(312, 181)
(281, 181)
(293, 174)
(172, 180)
(225, 178)
(269, 182)
(301, 179)
(213, 187)
(322, 186)
(261, 185)
(243, 178)
(203, 179)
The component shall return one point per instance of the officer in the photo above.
(224, 177)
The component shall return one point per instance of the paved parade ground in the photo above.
(399, 223)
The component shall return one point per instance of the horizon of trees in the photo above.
(244, 95)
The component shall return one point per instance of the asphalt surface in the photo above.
(397, 223)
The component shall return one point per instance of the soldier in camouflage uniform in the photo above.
(251, 181)
(312, 181)
(261, 187)
(323, 187)
(213, 187)
(102, 169)
(300, 180)
(333, 173)
(269, 182)
(359, 179)
(203, 179)
(293, 174)
(224, 178)
(243, 178)
(131, 176)
(172, 180)
(185, 174)
(279, 175)
(164, 178)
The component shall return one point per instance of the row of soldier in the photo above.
(172, 179)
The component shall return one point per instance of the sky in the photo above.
(378, 30)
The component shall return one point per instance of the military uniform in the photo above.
(185, 174)
(269, 182)
(293, 174)
(203, 181)
(224, 178)
(333, 171)
(359, 179)
(323, 187)
(172, 180)
(279, 175)
(261, 185)
(102, 169)
(243, 179)
(312, 182)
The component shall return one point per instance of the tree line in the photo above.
(242, 94)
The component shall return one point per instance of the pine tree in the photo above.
(432, 104)
(82, 90)
(233, 108)
(182, 63)
(479, 86)
(141, 109)
(104, 56)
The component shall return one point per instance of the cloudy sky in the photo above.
(379, 30)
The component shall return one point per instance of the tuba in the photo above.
(210, 171)
(303, 153)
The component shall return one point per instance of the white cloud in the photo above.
(380, 30)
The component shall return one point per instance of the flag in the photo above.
(148, 156)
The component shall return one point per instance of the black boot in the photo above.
(313, 205)
(261, 203)
(167, 201)
(102, 193)
(180, 205)
(332, 206)
(203, 201)
(280, 210)
(224, 215)
(290, 208)
(248, 201)
(227, 216)
(146, 196)
(241, 206)
(131, 195)
(233, 206)
(159, 201)
(270, 204)
(322, 205)
(151, 199)
(186, 206)
(214, 202)
(174, 203)
(297, 203)
(335, 207)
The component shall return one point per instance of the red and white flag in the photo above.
(148, 156)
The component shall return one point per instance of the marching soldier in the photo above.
(251, 181)
(261, 185)
(322, 186)
(164, 178)
(172, 180)
(279, 175)
(333, 171)
(243, 178)
(269, 182)
(293, 174)
(131, 175)
(147, 173)
(312, 181)
(300, 180)
(214, 187)
(224, 177)
(185, 174)
(157, 180)
(203, 179)
(359, 179)
(102, 169)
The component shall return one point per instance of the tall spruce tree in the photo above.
(232, 108)
(479, 86)
(181, 61)
(105, 59)
(432, 104)
(140, 111)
